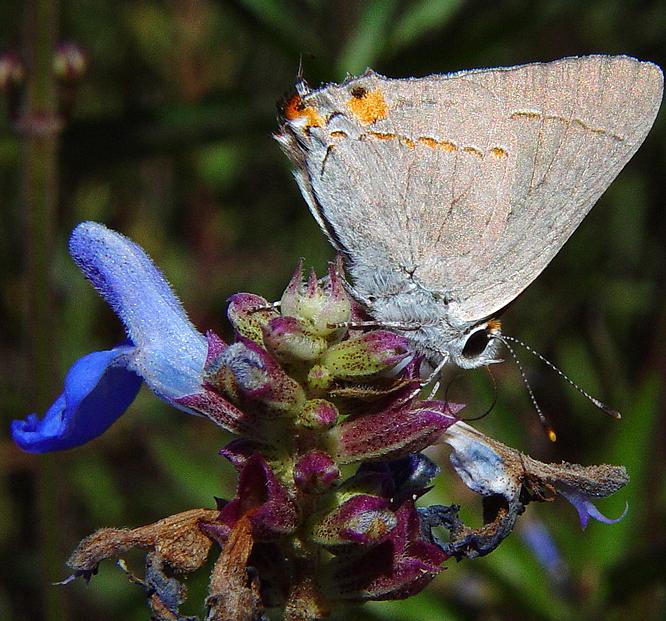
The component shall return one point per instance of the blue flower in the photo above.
(163, 348)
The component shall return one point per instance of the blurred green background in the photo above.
(168, 139)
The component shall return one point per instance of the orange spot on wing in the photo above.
(293, 107)
(367, 106)
(473, 151)
(408, 142)
(338, 133)
(295, 110)
(445, 145)
(499, 152)
(383, 135)
(428, 142)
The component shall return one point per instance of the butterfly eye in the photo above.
(476, 344)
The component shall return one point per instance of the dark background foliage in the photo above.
(168, 139)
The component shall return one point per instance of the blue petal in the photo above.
(586, 508)
(98, 389)
(170, 353)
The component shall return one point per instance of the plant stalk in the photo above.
(40, 126)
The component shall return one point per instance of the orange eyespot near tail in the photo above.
(493, 326)
(294, 109)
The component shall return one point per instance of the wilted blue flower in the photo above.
(163, 348)
(510, 480)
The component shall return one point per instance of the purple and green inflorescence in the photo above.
(329, 428)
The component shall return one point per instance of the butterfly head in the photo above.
(478, 346)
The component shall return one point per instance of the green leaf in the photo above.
(93, 482)
(425, 605)
(421, 18)
(281, 19)
(198, 481)
(368, 38)
(631, 447)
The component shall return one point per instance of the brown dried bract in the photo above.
(234, 594)
(177, 539)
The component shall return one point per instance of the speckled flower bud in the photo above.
(319, 379)
(261, 379)
(248, 314)
(238, 451)
(364, 520)
(315, 472)
(223, 413)
(365, 355)
(320, 307)
(395, 569)
(394, 433)
(70, 62)
(12, 71)
(261, 497)
(288, 339)
(318, 414)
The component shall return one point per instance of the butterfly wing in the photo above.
(467, 183)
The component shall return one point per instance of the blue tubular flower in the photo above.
(164, 348)
(98, 389)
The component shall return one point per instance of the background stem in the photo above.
(39, 125)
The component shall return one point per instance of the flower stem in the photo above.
(39, 125)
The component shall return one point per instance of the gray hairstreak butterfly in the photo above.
(448, 195)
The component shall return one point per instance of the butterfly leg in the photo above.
(391, 325)
(266, 307)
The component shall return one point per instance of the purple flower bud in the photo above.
(339, 305)
(291, 295)
(319, 379)
(70, 62)
(248, 314)
(223, 413)
(315, 472)
(216, 347)
(261, 379)
(238, 451)
(394, 433)
(318, 414)
(288, 340)
(395, 569)
(366, 355)
(319, 307)
(363, 519)
(217, 376)
(263, 498)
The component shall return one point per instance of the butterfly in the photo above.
(447, 195)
